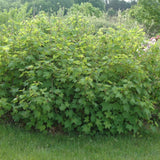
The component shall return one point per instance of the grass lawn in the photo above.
(18, 144)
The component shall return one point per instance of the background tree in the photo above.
(6, 4)
(147, 12)
(96, 3)
(86, 9)
(111, 12)
(49, 5)
(119, 4)
(37, 5)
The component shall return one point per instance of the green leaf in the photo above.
(129, 127)
(62, 107)
(37, 114)
(107, 124)
(86, 128)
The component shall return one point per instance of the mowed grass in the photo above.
(18, 144)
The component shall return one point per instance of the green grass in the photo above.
(18, 144)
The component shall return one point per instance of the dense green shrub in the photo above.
(151, 64)
(58, 72)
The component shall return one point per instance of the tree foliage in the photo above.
(86, 9)
(118, 5)
(6, 4)
(147, 12)
(50, 6)
(96, 3)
